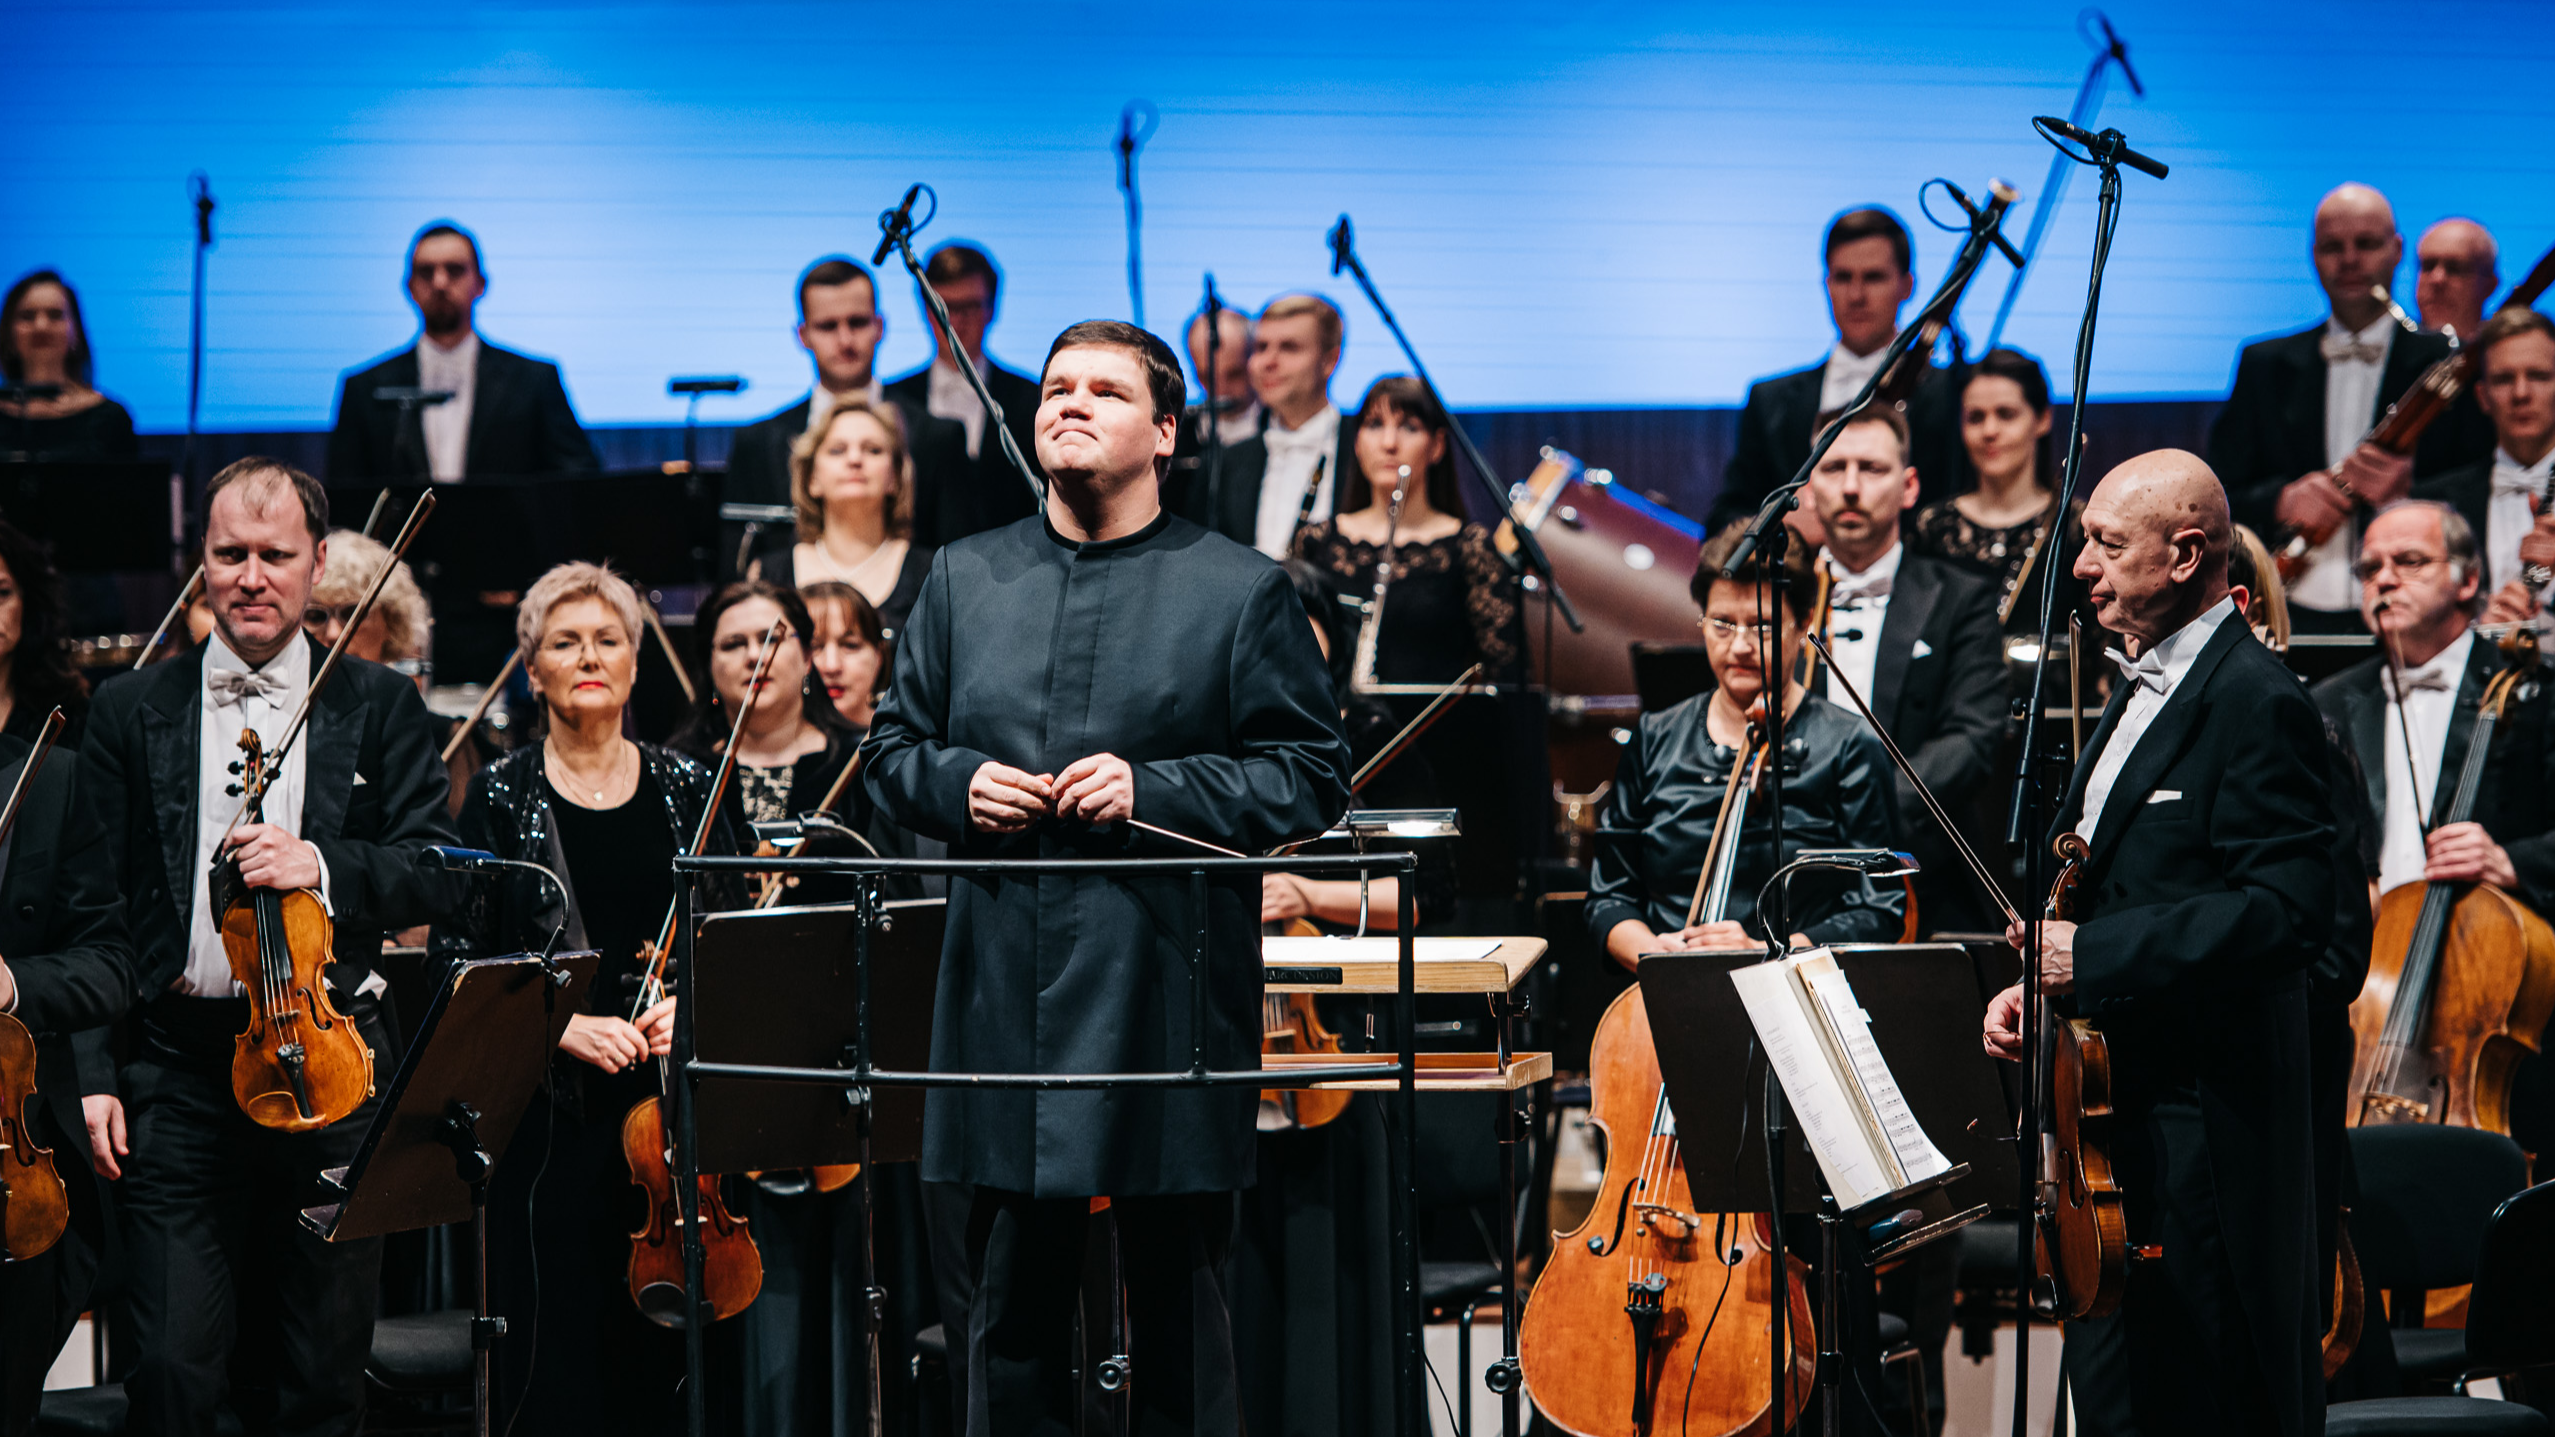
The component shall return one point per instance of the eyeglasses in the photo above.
(2406, 565)
(1725, 631)
(320, 616)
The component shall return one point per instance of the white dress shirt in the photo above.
(2155, 675)
(222, 715)
(1292, 455)
(948, 395)
(2354, 365)
(821, 402)
(2428, 701)
(447, 425)
(2507, 515)
(1858, 604)
(1240, 424)
(1846, 374)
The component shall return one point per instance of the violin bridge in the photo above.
(2391, 1108)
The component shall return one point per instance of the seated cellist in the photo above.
(1657, 824)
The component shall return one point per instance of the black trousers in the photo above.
(1026, 1255)
(212, 1205)
(42, 1297)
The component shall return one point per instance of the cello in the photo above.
(34, 1206)
(299, 1065)
(1650, 1316)
(2461, 976)
(731, 1265)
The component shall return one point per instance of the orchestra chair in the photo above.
(2508, 1325)
(419, 1375)
(2427, 1194)
(100, 1412)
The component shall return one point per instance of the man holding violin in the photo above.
(212, 1199)
(2207, 895)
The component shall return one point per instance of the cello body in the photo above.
(34, 1208)
(2491, 994)
(731, 1266)
(1638, 1324)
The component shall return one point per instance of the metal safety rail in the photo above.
(1402, 1151)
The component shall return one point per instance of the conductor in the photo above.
(2204, 797)
(1099, 662)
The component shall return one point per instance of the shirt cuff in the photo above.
(322, 860)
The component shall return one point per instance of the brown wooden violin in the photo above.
(1651, 1316)
(2461, 976)
(731, 1266)
(34, 1207)
(2084, 1232)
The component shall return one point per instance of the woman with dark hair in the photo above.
(2001, 527)
(850, 651)
(43, 342)
(794, 744)
(35, 669)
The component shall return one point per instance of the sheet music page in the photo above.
(1917, 1156)
(1377, 947)
(1837, 1133)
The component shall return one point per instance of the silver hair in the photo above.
(2465, 555)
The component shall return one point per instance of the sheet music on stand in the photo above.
(1860, 1127)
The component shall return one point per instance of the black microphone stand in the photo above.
(1530, 552)
(1767, 538)
(1131, 138)
(1213, 439)
(898, 227)
(201, 190)
(2034, 810)
(2109, 50)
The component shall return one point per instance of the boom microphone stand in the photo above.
(1212, 442)
(1530, 552)
(1131, 138)
(201, 190)
(896, 235)
(2032, 816)
(2108, 51)
(1768, 535)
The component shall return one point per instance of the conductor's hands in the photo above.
(2057, 953)
(610, 1043)
(103, 1114)
(271, 858)
(1003, 799)
(1098, 789)
(2004, 1026)
(2311, 504)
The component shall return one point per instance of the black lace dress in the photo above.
(1452, 604)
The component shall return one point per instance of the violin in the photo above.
(731, 1265)
(2083, 1236)
(299, 1064)
(34, 1206)
(2461, 976)
(1650, 1316)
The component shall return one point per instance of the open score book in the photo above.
(1819, 1040)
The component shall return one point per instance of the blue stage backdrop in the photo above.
(1572, 206)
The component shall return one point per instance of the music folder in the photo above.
(1815, 1032)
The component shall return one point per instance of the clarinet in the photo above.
(1362, 675)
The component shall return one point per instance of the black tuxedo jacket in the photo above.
(62, 928)
(520, 421)
(373, 802)
(1227, 499)
(758, 466)
(1938, 685)
(2208, 896)
(994, 495)
(2272, 429)
(1781, 419)
(2516, 800)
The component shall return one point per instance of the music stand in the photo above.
(460, 1092)
(1926, 1017)
(122, 517)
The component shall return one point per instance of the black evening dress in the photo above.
(101, 433)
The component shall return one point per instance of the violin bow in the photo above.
(479, 710)
(656, 626)
(1420, 723)
(652, 983)
(54, 723)
(328, 666)
(2404, 724)
(1735, 796)
(185, 593)
(1925, 795)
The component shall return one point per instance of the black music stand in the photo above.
(461, 1090)
(1927, 1014)
(105, 518)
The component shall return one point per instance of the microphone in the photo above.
(1877, 862)
(2005, 192)
(2109, 141)
(1343, 245)
(2118, 49)
(201, 189)
(464, 860)
(895, 225)
(705, 384)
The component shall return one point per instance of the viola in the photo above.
(34, 1206)
(1291, 1023)
(1651, 1316)
(2083, 1232)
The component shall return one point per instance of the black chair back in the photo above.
(2509, 1323)
(2427, 1196)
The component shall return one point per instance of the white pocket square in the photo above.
(359, 779)
(2165, 795)
(1921, 650)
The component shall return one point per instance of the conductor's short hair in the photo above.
(1161, 367)
(1870, 222)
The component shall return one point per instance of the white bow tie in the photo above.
(1853, 589)
(229, 686)
(2510, 478)
(2146, 671)
(2432, 676)
(2339, 347)
(1304, 438)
